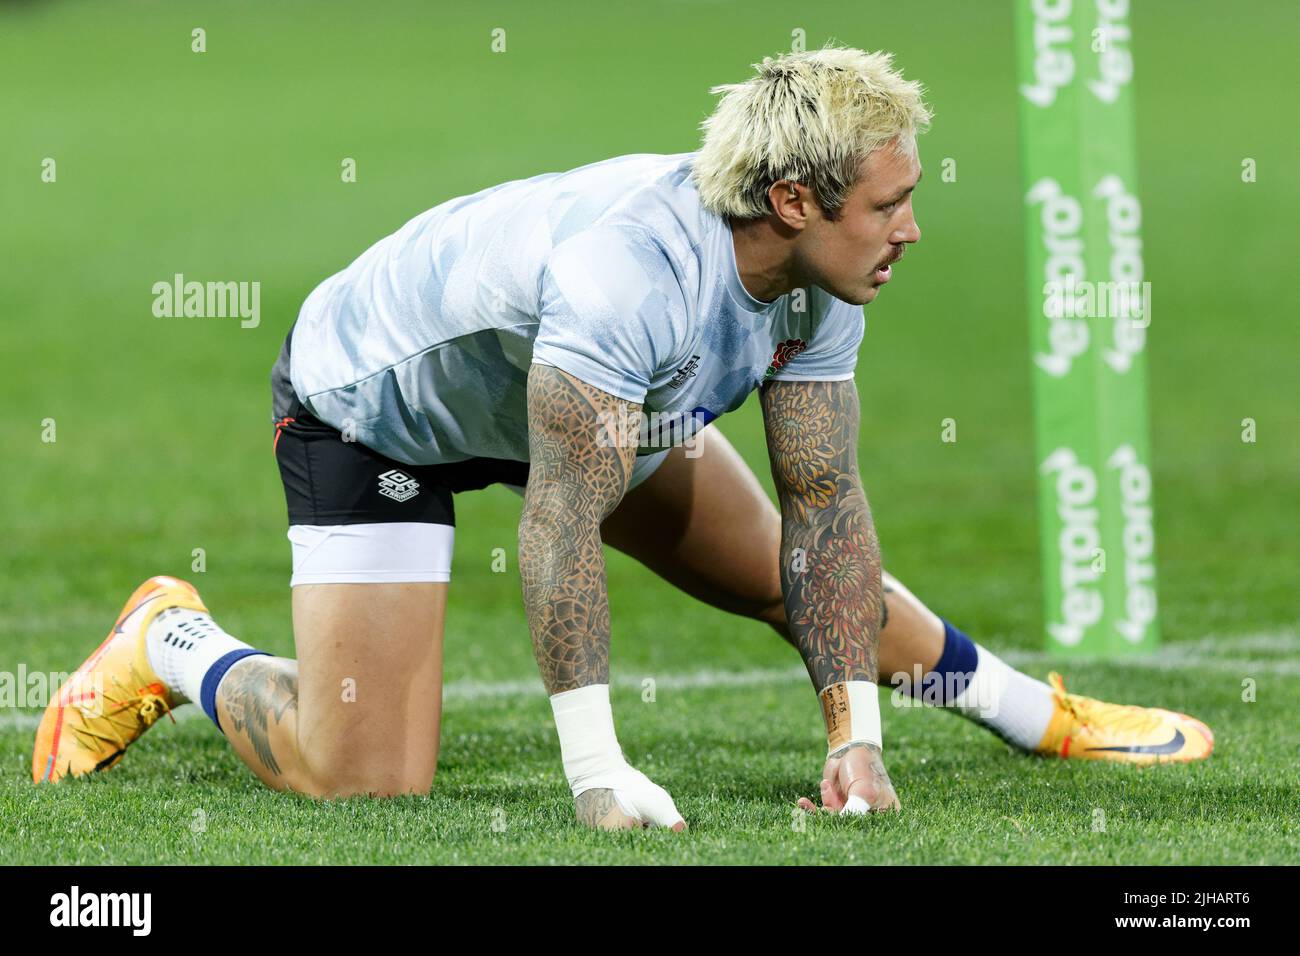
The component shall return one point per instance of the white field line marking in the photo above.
(1274, 642)
(1227, 667)
(1220, 654)
(1198, 655)
(476, 690)
(691, 680)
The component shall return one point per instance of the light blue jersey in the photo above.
(612, 272)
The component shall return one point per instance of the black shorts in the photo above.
(331, 481)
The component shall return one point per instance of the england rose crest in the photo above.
(784, 352)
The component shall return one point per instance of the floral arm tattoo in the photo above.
(581, 446)
(830, 560)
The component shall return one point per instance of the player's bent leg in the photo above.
(705, 524)
(938, 664)
(342, 720)
(359, 711)
(372, 543)
(370, 677)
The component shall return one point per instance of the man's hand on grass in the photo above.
(632, 801)
(855, 781)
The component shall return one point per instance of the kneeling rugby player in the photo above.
(523, 335)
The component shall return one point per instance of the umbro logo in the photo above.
(685, 372)
(398, 485)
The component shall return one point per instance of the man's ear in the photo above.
(789, 201)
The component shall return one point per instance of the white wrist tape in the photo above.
(585, 725)
(851, 710)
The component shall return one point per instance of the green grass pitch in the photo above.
(226, 165)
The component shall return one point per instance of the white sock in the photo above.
(182, 646)
(1011, 704)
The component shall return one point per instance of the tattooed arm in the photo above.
(581, 445)
(830, 560)
(577, 475)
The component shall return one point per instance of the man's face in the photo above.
(850, 258)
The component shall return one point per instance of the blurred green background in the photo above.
(226, 165)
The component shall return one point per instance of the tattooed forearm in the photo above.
(830, 560)
(257, 693)
(581, 443)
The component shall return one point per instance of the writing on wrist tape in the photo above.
(851, 710)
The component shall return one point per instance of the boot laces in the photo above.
(125, 710)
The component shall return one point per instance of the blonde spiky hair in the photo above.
(811, 117)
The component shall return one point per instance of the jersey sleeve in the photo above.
(611, 311)
(832, 355)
